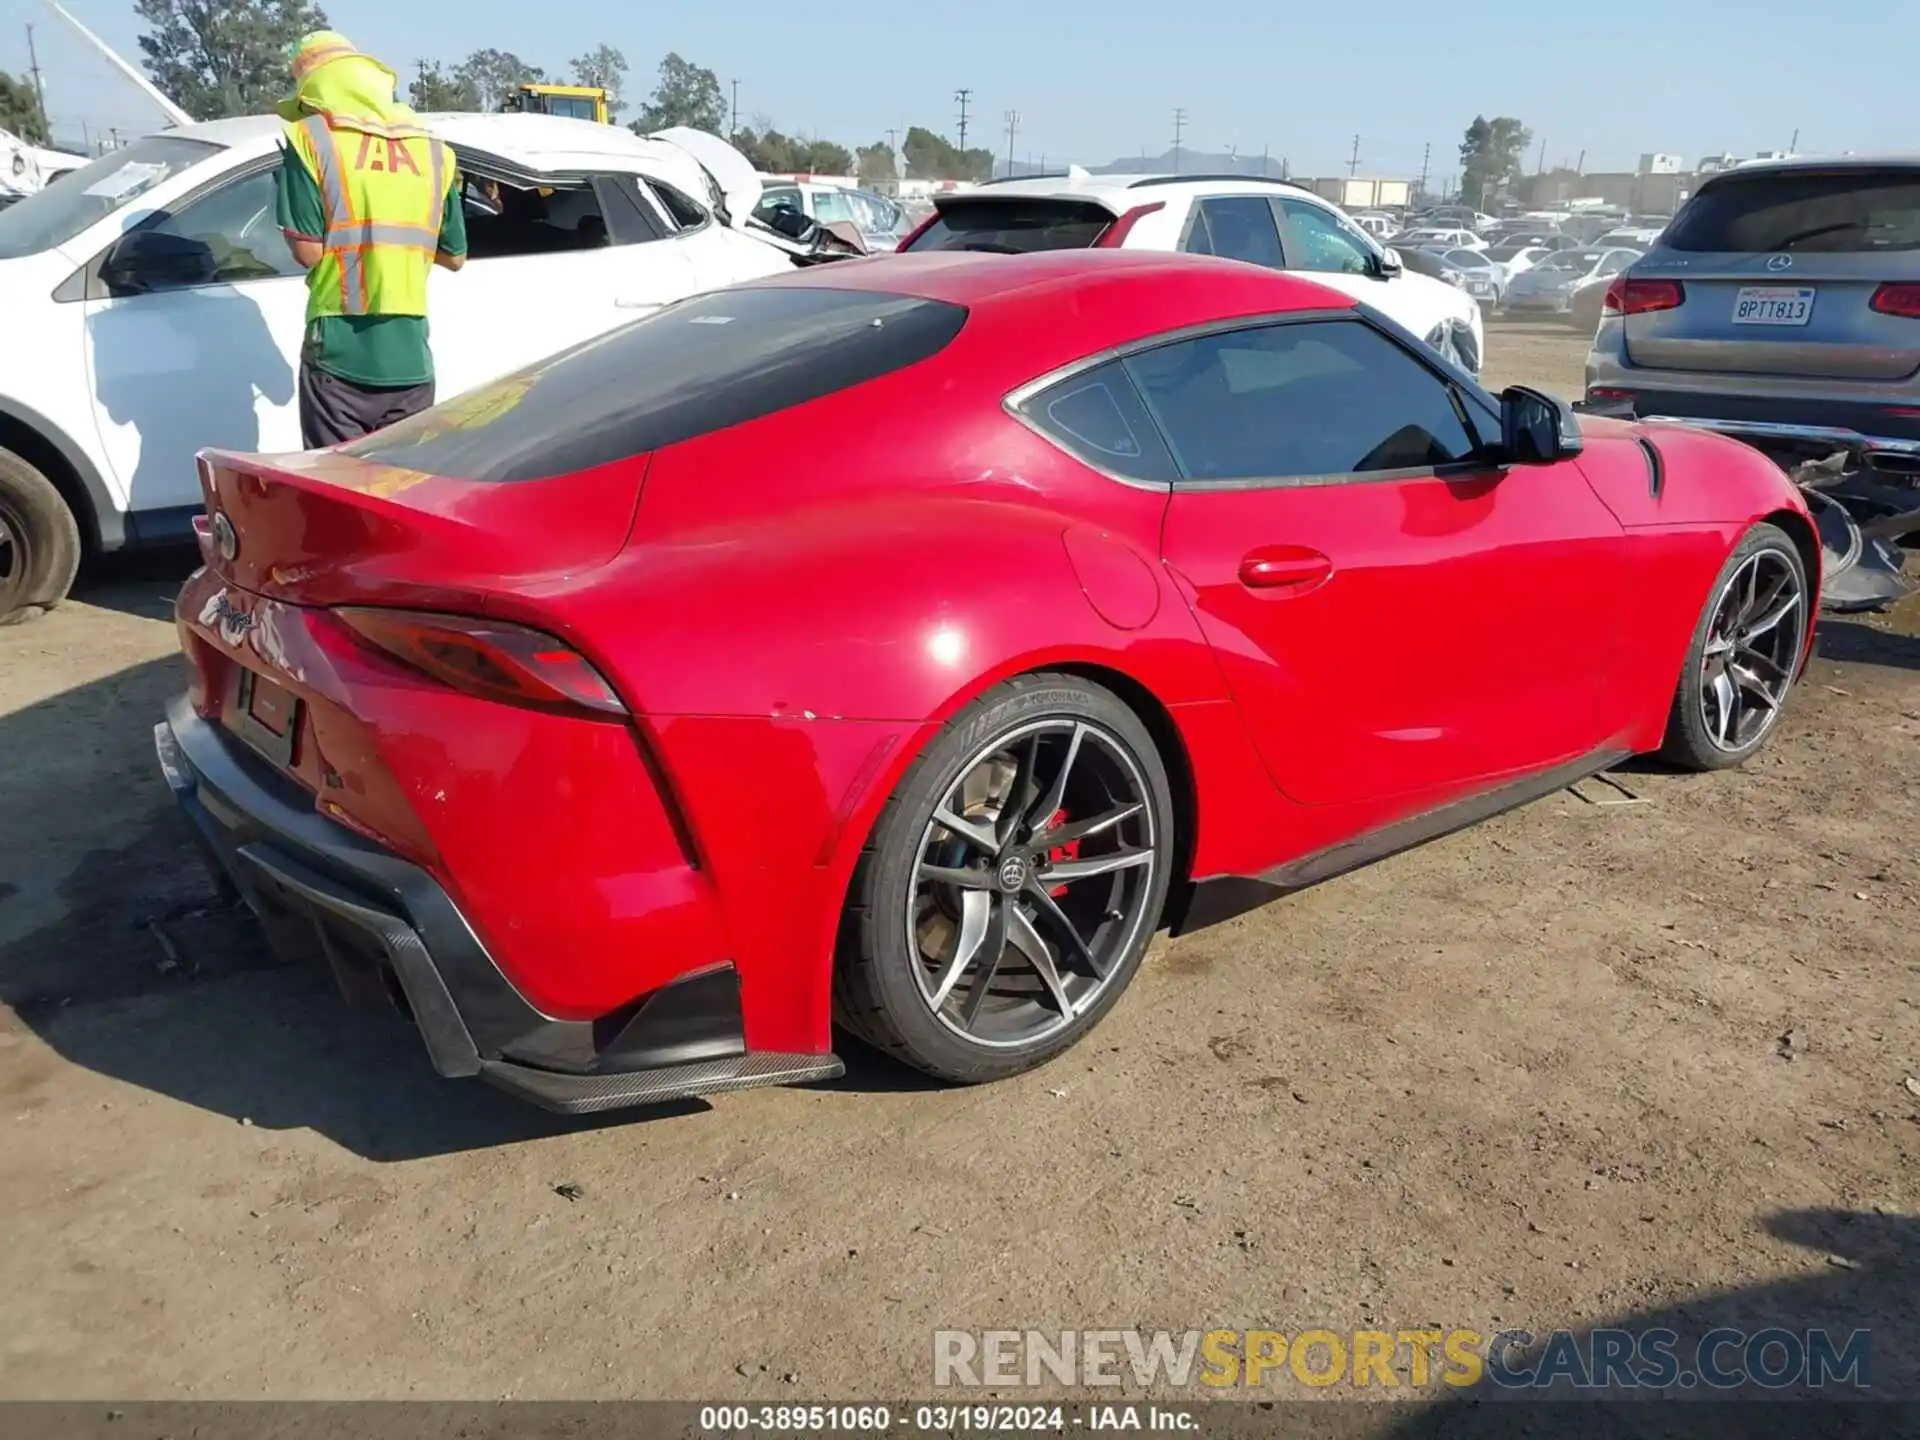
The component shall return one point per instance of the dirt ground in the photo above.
(1581, 1064)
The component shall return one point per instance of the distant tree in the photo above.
(20, 109)
(1490, 157)
(606, 67)
(874, 164)
(687, 94)
(771, 151)
(492, 75)
(934, 157)
(824, 157)
(779, 154)
(437, 89)
(217, 58)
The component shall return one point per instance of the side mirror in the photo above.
(1389, 264)
(1536, 428)
(145, 260)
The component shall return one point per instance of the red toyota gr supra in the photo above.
(901, 644)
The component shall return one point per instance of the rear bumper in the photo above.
(391, 933)
(1770, 411)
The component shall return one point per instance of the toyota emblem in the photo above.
(1780, 262)
(225, 538)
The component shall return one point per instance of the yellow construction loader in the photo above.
(577, 102)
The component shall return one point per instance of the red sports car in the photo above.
(901, 644)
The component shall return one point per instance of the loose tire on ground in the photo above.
(1769, 554)
(886, 980)
(39, 542)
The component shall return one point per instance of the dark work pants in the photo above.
(334, 411)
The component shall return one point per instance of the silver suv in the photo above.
(1781, 305)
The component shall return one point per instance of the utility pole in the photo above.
(1793, 145)
(40, 91)
(1013, 129)
(1179, 129)
(736, 109)
(1540, 165)
(1426, 158)
(1580, 165)
(1353, 165)
(1265, 150)
(965, 97)
(1286, 168)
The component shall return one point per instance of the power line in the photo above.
(965, 97)
(40, 91)
(1179, 129)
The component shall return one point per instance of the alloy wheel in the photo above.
(1032, 880)
(1753, 646)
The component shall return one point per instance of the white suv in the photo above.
(1265, 222)
(151, 307)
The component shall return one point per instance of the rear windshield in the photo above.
(1015, 227)
(96, 190)
(1845, 212)
(695, 367)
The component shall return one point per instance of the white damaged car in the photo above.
(1274, 223)
(153, 309)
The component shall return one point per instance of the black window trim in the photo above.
(1462, 389)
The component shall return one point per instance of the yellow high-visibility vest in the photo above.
(384, 188)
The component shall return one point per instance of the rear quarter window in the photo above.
(691, 369)
(1014, 227)
(1840, 212)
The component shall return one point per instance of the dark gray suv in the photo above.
(1782, 305)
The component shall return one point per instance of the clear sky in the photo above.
(1094, 80)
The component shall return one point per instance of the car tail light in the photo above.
(1627, 296)
(1902, 300)
(488, 658)
(1115, 235)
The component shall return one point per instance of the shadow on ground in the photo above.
(115, 950)
(1869, 1281)
(1851, 642)
(142, 582)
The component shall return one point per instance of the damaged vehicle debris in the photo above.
(157, 308)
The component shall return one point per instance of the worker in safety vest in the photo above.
(370, 203)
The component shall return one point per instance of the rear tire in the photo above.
(39, 542)
(979, 949)
(1745, 655)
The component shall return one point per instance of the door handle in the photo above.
(1285, 567)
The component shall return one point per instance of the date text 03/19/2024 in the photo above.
(945, 1419)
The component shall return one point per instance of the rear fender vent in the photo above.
(1656, 466)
